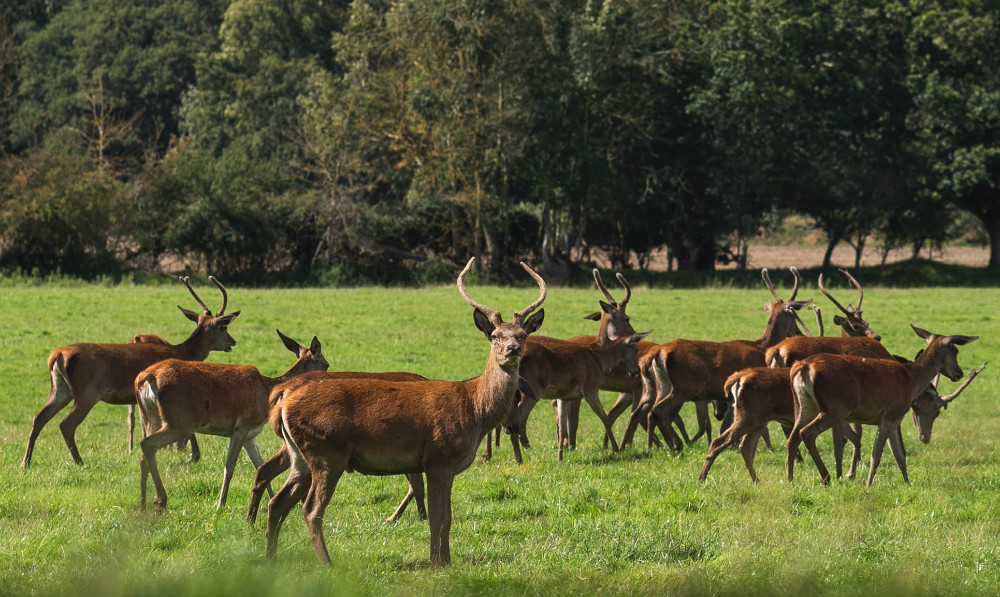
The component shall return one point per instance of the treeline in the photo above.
(387, 141)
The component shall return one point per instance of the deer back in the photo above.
(788, 352)
(764, 393)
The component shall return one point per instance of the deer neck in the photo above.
(493, 397)
(195, 348)
(925, 367)
(607, 354)
(775, 332)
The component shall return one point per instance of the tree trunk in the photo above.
(831, 244)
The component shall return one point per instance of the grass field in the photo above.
(635, 523)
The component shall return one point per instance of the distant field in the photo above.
(635, 523)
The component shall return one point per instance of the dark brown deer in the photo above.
(831, 389)
(389, 427)
(90, 373)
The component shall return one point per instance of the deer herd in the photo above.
(400, 423)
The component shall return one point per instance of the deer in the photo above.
(89, 373)
(378, 427)
(764, 394)
(694, 370)
(130, 420)
(614, 321)
(831, 389)
(281, 460)
(567, 370)
(178, 398)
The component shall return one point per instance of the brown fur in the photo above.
(177, 398)
(90, 373)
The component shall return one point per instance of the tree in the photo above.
(956, 50)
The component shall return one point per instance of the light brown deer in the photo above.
(567, 370)
(831, 389)
(388, 428)
(693, 370)
(130, 420)
(91, 373)
(178, 398)
(281, 460)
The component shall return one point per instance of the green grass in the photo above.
(635, 523)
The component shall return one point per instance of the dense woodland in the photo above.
(387, 141)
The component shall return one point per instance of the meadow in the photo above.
(596, 523)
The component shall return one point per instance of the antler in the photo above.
(187, 282)
(795, 289)
(972, 375)
(830, 296)
(801, 323)
(541, 293)
(604, 290)
(767, 282)
(628, 290)
(225, 296)
(861, 293)
(819, 319)
(493, 315)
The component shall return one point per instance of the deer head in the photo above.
(214, 326)
(784, 314)
(927, 406)
(614, 321)
(310, 359)
(853, 324)
(507, 339)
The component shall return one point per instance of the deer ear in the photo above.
(839, 320)
(315, 347)
(595, 316)
(226, 319)
(959, 340)
(921, 332)
(606, 307)
(483, 323)
(189, 314)
(638, 337)
(767, 305)
(290, 344)
(534, 322)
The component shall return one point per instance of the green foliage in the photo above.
(638, 523)
(55, 214)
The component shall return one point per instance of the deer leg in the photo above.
(76, 415)
(852, 433)
(60, 395)
(623, 402)
(235, 445)
(130, 423)
(714, 449)
(765, 434)
(571, 421)
(195, 450)
(898, 452)
(253, 453)
(883, 433)
(325, 475)
(838, 449)
(593, 397)
(266, 472)
(292, 492)
(415, 491)
(560, 429)
(748, 448)
(439, 485)
(488, 449)
(809, 433)
(149, 445)
(515, 444)
(704, 422)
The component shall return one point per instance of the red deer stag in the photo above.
(694, 370)
(831, 389)
(178, 398)
(380, 427)
(91, 373)
(568, 370)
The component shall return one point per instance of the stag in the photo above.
(831, 389)
(90, 373)
(693, 370)
(380, 427)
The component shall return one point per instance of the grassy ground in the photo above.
(635, 523)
